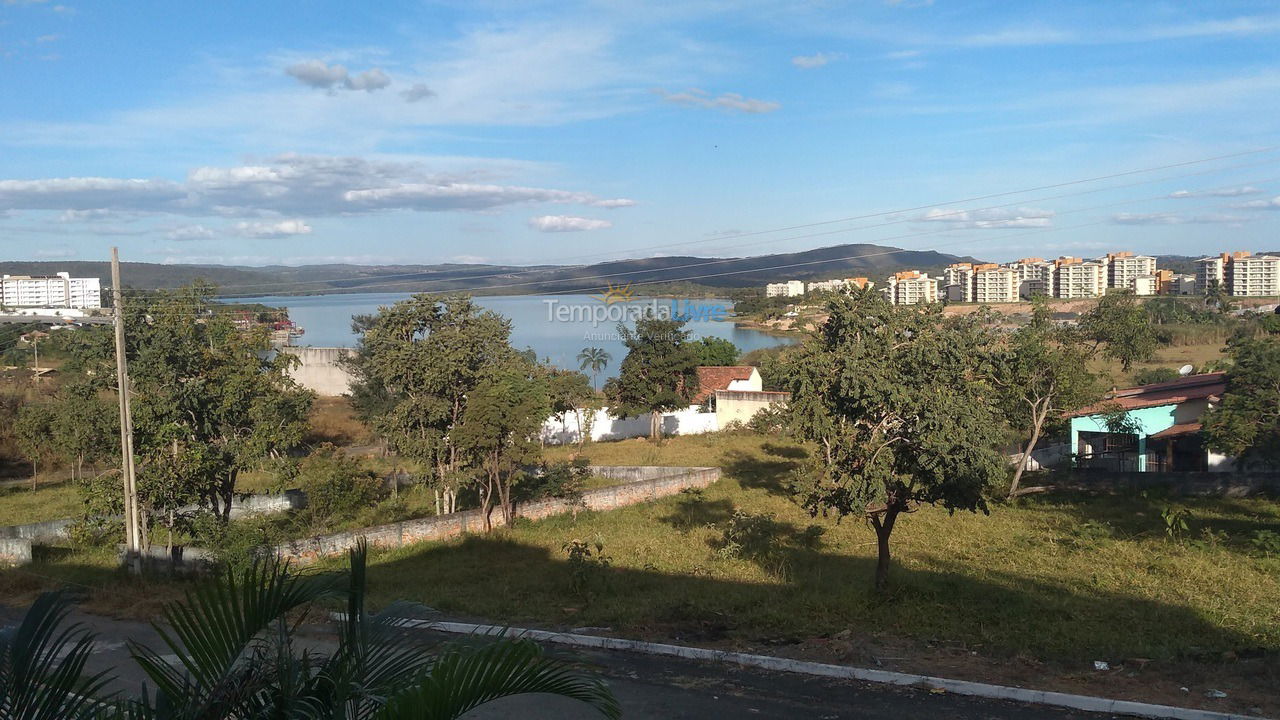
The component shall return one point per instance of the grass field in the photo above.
(19, 504)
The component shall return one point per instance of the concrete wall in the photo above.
(657, 482)
(43, 531)
(741, 406)
(1202, 484)
(15, 551)
(318, 370)
(690, 421)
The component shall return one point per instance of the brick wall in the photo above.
(651, 483)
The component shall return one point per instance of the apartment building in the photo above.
(50, 291)
(957, 278)
(1240, 274)
(1076, 278)
(790, 288)
(1180, 285)
(995, 284)
(911, 287)
(828, 286)
(1035, 276)
(1124, 267)
(1254, 276)
(1145, 285)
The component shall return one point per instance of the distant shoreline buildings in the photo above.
(49, 294)
(1238, 274)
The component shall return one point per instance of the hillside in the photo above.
(874, 261)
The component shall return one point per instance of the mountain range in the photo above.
(874, 261)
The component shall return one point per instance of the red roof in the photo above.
(1174, 392)
(1179, 429)
(717, 377)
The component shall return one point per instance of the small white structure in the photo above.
(570, 428)
(790, 288)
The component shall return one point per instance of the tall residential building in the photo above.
(911, 287)
(958, 281)
(1035, 276)
(1211, 271)
(50, 291)
(1145, 285)
(1124, 267)
(790, 288)
(1253, 275)
(1181, 285)
(995, 284)
(1076, 278)
(827, 286)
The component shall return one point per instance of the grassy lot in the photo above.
(1064, 578)
(19, 504)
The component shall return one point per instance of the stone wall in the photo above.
(649, 483)
(15, 551)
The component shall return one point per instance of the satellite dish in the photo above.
(1185, 370)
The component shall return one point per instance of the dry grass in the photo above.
(334, 421)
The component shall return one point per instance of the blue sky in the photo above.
(524, 132)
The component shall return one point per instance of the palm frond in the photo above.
(42, 662)
(462, 679)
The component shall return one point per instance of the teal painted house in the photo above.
(1150, 428)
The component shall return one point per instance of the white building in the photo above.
(790, 288)
(52, 291)
(1254, 276)
(957, 278)
(1145, 285)
(1035, 277)
(1075, 278)
(1211, 271)
(1124, 267)
(911, 287)
(1182, 285)
(995, 284)
(828, 286)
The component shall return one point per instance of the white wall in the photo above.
(690, 421)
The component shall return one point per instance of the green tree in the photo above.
(500, 429)
(1121, 327)
(594, 359)
(34, 431)
(416, 365)
(716, 351)
(1040, 373)
(86, 428)
(898, 401)
(570, 392)
(1246, 424)
(210, 401)
(337, 487)
(658, 375)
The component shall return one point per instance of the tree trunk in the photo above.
(1037, 425)
(655, 427)
(884, 527)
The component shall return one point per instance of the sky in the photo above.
(265, 133)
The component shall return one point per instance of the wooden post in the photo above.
(132, 531)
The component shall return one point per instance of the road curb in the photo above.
(960, 687)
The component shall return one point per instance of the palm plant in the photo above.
(42, 662)
(232, 654)
(595, 359)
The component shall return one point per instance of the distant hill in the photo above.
(874, 261)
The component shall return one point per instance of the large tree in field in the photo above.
(898, 401)
(499, 431)
(658, 375)
(210, 400)
(716, 351)
(1246, 423)
(1041, 372)
(416, 365)
(1121, 327)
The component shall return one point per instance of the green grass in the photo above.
(1059, 578)
(20, 504)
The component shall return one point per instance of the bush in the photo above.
(337, 487)
(1151, 376)
(587, 567)
(235, 544)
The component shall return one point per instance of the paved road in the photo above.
(665, 688)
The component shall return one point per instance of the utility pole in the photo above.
(132, 531)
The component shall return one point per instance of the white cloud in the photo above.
(55, 253)
(318, 74)
(288, 185)
(1272, 204)
(566, 223)
(190, 232)
(1176, 219)
(990, 219)
(45, 39)
(419, 91)
(695, 97)
(1223, 192)
(817, 60)
(284, 228)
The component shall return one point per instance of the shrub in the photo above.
(337, 487)
(1151, 376)
(237, 543)
(587, 566)
(749, 536)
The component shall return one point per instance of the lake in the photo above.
(557, 327)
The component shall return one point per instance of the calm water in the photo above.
(327, 321)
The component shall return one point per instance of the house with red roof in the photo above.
(725, 377)
(1150, 428)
